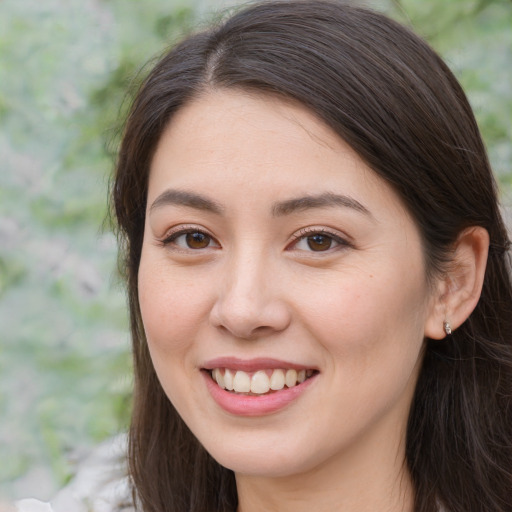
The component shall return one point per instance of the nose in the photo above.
(250, 302)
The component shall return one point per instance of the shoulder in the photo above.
(101, 484)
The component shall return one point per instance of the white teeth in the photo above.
(217, 375)
(291, 378)
(241, 382)
(228, 379)
(260, 383)
(277, 380)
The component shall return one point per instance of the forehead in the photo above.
(232, 142)
(232, 122)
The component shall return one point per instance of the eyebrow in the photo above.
(325, 200)
(190, 199)
(172, 197)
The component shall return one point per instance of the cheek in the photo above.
(172, 312)
(369, 316)
(372, 334)
(172, 304)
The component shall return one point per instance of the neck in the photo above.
(372, 477)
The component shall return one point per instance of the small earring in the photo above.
(447, 327)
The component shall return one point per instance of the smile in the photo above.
(260, 382)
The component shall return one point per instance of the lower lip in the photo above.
(252, 405)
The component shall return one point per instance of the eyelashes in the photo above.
(311, 239)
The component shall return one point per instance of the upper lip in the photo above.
(252, 365)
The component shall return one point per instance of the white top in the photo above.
(100, 485)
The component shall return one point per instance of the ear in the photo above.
(458, 290)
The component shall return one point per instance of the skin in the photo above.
(357, 312)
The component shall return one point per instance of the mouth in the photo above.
(259, 382)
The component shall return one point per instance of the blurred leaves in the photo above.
(65, 69)
(65, 365)
(475, 39)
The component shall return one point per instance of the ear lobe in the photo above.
(458, 291)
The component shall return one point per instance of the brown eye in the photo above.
(190, 239)
(197, 240)
(319, 242)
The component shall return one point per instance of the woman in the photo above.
(317, 272)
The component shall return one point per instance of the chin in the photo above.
(268, 465)
(265, 458)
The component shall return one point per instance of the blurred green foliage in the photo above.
(475, 39)
(65, 68)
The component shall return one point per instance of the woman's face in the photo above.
(273, 254)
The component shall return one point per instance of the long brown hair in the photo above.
(387, 94)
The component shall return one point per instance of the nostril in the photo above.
(250, 321)
(248, 334)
